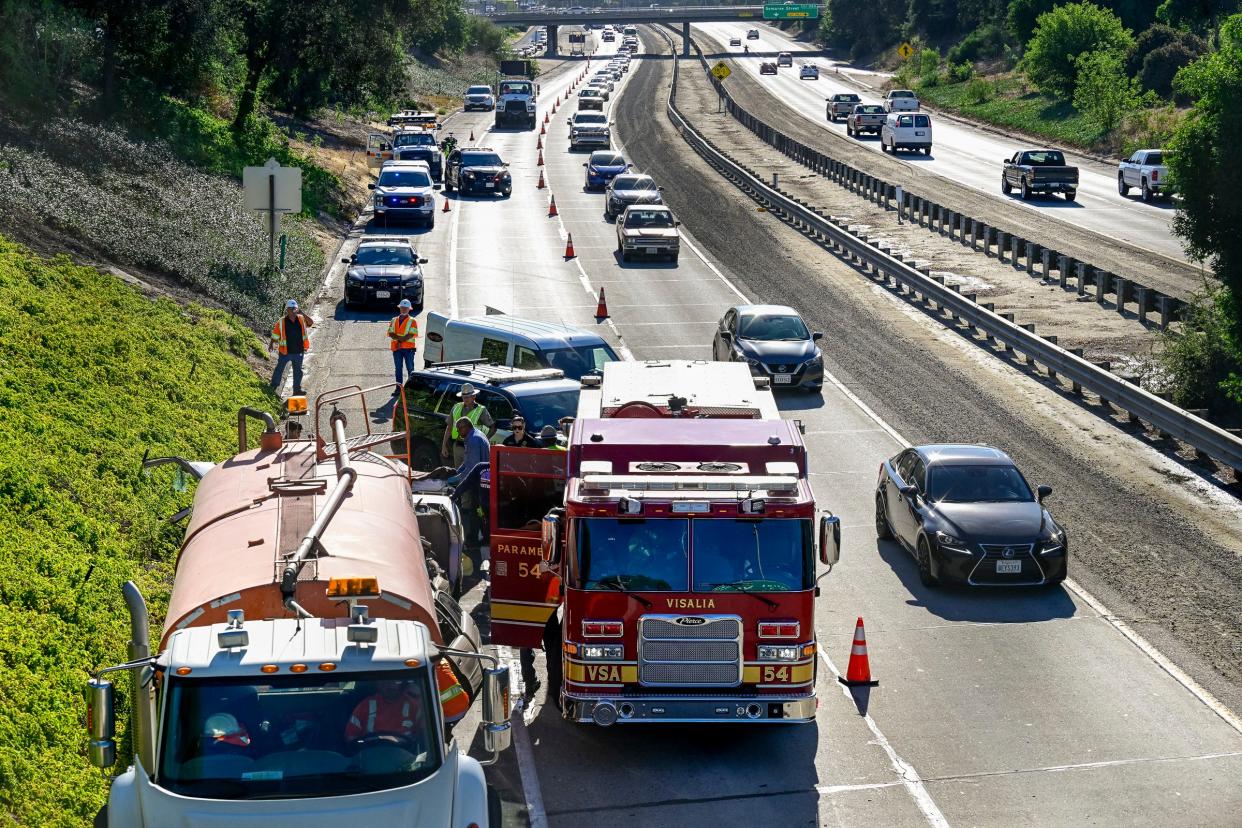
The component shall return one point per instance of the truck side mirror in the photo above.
(101, 722)
(497, 731)
(829, 540)
(551, 549)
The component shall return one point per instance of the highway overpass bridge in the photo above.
(685, 15)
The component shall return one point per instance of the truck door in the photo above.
(525, 484)
(379, 149)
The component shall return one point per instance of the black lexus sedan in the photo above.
(775, 342)
(477, 170)
(969, 517)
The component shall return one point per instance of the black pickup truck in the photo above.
(1039, 171)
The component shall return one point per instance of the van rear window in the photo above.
(922, 121)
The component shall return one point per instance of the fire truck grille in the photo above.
(701, 651)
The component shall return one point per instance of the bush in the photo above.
(1103, 91)
(1064, 34)
(1023, 16)
(92, 376)
(1203, 360)
(980, 91)
(984, 43)
(961, 72)
(1161, 66)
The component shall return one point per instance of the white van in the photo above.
(906, 130)
(521, 343)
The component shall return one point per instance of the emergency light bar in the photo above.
(773, 484)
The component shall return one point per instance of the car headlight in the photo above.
(778, 652)
(946, 539)
(469, 174)
(1053, 543)
(815, 361)
(753, 363)
(602, 652)
(353, 278)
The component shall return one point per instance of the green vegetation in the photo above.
(1008, 101)
(1065, 34)
(92, 375)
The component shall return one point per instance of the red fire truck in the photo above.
(673, 578)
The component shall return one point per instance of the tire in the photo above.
(431, 222)
(1026, 191)
(882, 530)
(927, 150)
(1005, 186)
(552, 653)
(381, 219)
(625, 257)
(1145, 193)
(883, 146)
(849, 130)
(923, 557)
(1123, 189)
(1070, 195)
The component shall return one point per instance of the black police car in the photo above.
(477, 170)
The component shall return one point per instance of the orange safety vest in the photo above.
(376, 714)
(453, 698)
(395, 329)
(278, 334)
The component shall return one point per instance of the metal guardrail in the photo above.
(1165, 417)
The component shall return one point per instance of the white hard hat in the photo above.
(219, 725)
(292, 304)
(405, 303)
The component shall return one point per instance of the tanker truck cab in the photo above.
(309, 668)
(682, 559)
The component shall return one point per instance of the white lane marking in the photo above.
(452, 257)
(909, 776)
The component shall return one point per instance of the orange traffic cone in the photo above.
(446, 208)
(540, 185)
(540, 164)
(538, 142)
(569, 246)
(545, 119)
(552, 208)
(472, 136)
(858, 673)
(601, 310)
(542, 129)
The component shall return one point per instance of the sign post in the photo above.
(272, 189)
(720, 71)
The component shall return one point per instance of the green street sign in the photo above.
(791, 11)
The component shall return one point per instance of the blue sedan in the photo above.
(602, 167)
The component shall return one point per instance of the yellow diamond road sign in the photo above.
(721, 71)
(905, 50)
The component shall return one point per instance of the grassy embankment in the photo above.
(92, 374)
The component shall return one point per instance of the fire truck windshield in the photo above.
(633, 554)
(769, 555)
(275, 737)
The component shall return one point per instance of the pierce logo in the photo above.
(691, 621)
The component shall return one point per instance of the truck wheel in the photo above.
(1070, 195)
(1005, 188)
(1026, 191)
(1123, 189)
(883, 146)
(1146, 192)
(849, 130)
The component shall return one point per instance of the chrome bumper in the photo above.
(605, 711)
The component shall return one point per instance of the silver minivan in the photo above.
(517, 342)
(906, 130)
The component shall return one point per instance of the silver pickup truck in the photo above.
(1146, 170)
(841, 105)
(865, 118)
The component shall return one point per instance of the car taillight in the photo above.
(602, 629)
(499, 177)
(779, 629)
(1155, 175)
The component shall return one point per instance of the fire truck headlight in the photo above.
(602, 652)
(769, 652)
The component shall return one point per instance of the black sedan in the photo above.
(775, 342)
(477, 170)
(968, 516)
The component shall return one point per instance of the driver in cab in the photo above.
(391, 711)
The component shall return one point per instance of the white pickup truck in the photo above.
(1146, 170)
(901, 100)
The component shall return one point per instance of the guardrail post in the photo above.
(1045, 263)
(1123, 290)
(1102, 278)
(925, 214)
(1165, 305)
(1052, 372)
(1030, 258)
(1029, 326)
(1064, 263)
(974, 234)
(1081, 270)
(1015, 250)
(1008, 347)
(1075, 387)
(1140, 299)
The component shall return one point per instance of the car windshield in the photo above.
(479, 90)
(607, 159)
(613, 553)
(374, 254)
(405, 178)
(289, 736)
(901, 93)
(584, 359)
(515, 88)
(870, 109)
(769, 555)
(589, 92)
(590, 118)
(845, 98)
(480, 159)
(1044, 158)
(648, 218)
(977, 484)
(633, 182)
(547, 408)
(411, 139)
(773, 327)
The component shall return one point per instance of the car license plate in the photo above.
(919, 133)
(1008, 567)
(652, 251)
(382, 294)
(782, 379)
(490, 184)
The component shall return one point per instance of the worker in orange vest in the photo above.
(291, 334)
(453, 698)
(392, 711)
(403, 339)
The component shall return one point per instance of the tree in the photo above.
(1023, 15)
(1065, 33)
(1205, 165)
(1103, 91)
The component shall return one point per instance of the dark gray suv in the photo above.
(775, 342)
(968, 516)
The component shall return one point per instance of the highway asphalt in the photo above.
(995, 707)
(961, 152)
